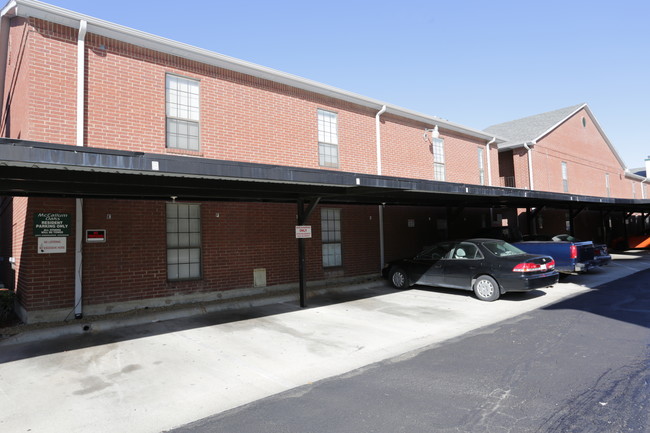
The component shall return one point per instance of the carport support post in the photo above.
(303, 216)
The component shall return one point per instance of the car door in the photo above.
(429, 264)
(462, 264)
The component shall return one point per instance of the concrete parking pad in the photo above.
(154, 376)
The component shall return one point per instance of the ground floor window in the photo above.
(183, 241)
(331, 234)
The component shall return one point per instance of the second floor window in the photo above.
(182, 101)
(481, 167)
(328, 139)
(439, 159)
(565, 178)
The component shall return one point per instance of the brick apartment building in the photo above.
(138, 171)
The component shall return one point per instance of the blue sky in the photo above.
(472, 62)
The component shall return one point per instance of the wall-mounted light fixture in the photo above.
(434, 133)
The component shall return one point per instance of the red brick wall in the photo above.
(44, 87)
(44, 281)
(15, 122)
(131, 265)
(242, 118)
(588, 159)
(405, 153)
(461, 159)
(6, 241)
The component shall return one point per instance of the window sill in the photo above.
(183, 152)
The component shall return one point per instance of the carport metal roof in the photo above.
(44, 169)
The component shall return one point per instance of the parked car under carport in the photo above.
(489, 267)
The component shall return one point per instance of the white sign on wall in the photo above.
(303, 232)
(49, 245)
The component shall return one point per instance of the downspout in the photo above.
(489, 164)
(381, 206)
(489, 160)
(378, 137)
(78, 259)
(530, 162)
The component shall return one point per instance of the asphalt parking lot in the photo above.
(157, 374)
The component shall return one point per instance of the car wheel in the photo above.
(486, 288)
(399, 279)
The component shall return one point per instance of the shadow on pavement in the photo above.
(626, 299)
(151, 326)
(632, 302)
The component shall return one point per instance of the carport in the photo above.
(36, 169)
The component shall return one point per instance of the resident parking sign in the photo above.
(51, 224)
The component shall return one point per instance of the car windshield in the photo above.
(565, 238)
(502, 249)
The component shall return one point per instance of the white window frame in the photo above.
(331, 237)
(607, 186)
(182, 110)
(183, 241)
(565, 177)
(328, 139)
(438, 148)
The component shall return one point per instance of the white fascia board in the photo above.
(602, 133)
(552, 128)
(55, 14)
(593, 119)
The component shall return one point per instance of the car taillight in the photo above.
(574, 252)
(534, 267)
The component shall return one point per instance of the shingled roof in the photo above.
(531, 128)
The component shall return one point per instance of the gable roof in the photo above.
(529, 130)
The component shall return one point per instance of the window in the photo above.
(331, 234)
(182, 97)
(183, 241)
(328, 139)
(438, 159)
(481, 168)
(607, 183)
(466, 251)
(565, 178)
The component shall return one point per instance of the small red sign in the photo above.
(96, 235)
